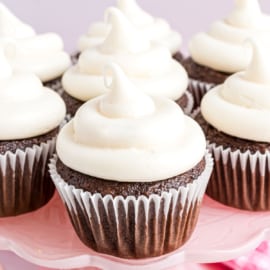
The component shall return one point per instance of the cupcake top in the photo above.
(241, 106)
(221, 47)
(155, 29)
(27, 51)
(12, 27)
(27, 109)
(140, 58)
(125, 135)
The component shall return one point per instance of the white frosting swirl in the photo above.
(26, 51)
(12, 27)
(40, 54)
(126, 135)
(221, 47)
(149, 66)
(155, 29)
(241, 106)
(27, 109)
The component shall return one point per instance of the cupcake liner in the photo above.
(133, 227)
(240, 179)
(25, 183)
(190, 103)
(198, 89)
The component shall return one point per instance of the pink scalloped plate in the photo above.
(46, 238)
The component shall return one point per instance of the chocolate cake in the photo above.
(74, 104)
(203, 73)
(151, 239)
(219, 138)
(239, 179)
(114, 188)
(126, 196)
(25, 183)
(179, 57)
(13, 145)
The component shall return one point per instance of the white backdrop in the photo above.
(70, 18)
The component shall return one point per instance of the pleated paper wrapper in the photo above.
(198, 89)
(133, 227)
(189, 105)
(25, 183)
(240, 179)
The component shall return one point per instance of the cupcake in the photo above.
(30, 115)
(132, 171)
(26, 51)
(155, 29)
(140, 59)
(218, 53)
(235, 117)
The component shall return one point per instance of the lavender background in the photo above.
(72, 18)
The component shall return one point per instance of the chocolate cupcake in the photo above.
(235, 117)
(41, 54)
(30, 116)
(155, 29)
(140, 60)
(218, 53)
(132, 171)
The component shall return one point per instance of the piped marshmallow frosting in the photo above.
(221, 47)
(27, 109)
(26, 51)
(241, 106)
(148, 65)
(126, 135)
(12, 27)
(155, 29)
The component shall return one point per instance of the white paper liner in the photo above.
(24, 179)
(240, 179)
(198, 89)
(134, 227)
(190, 103)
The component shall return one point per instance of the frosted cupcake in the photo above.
(41, 54)
(155, 29)
(148, 65)
(132, 171)
(219, 53)
(30, 115)
(235, 117)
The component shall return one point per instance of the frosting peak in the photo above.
(123, 37)
(12, 27)
(258, 69)
(26, 51)
(241, 106)
(128, 145)
(132, 10)
(124, 100)
(147, 64)
(221, 48)
(245, 14)
(154, 29)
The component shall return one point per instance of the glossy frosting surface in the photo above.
(148, 65)
(126, 135)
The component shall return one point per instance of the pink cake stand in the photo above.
(46, 238)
